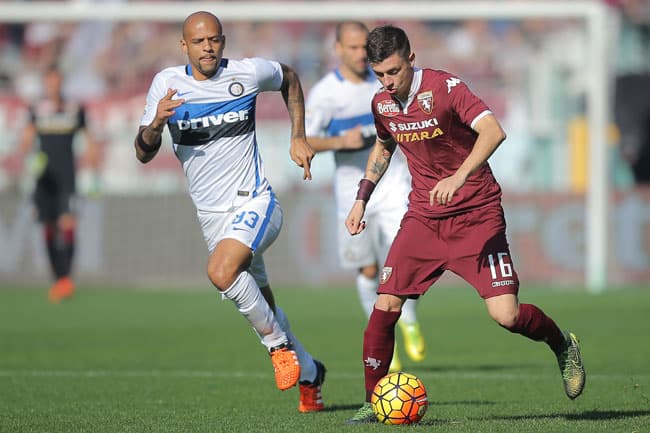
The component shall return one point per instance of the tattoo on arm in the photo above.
(378, 167)
(380, 164)
(145, 151)
(294, 100)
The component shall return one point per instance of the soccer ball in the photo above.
(399, 398)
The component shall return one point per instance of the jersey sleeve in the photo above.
(268, 73)
(156, 92)
(319, 110)
(469, 107)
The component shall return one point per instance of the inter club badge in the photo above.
(236, 88)
(425, 101)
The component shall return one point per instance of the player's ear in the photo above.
(184, 46)
(412, 58)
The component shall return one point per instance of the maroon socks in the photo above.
(378, 345)
(534, 324)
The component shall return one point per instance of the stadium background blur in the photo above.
(137, 225)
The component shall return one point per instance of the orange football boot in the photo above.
(62, 289)
(311, 399)
(286, 366)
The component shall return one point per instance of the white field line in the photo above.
(252, 374)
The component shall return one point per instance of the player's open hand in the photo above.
(354, 222)
(444, 191)
(166, 108)
(301, 153)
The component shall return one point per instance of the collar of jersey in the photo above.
(415, 86)
(222, 64)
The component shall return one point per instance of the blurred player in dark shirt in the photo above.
(455, 220)
(52, 126)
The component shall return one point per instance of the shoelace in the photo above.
(569, 365)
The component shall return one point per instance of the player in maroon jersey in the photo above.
(455, 220)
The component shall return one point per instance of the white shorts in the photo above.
(372, 244)
(256, 224)
(383, 216)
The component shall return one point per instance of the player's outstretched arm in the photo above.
(300, 151)
(147, 141)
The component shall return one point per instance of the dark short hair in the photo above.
(384, 41)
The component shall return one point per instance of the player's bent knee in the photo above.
(504, 310)
(386, 302)
(505, 319)
(220, 276)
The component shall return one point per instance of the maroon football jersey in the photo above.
(434, 132)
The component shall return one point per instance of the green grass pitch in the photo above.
(144, 361)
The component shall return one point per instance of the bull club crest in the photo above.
(425, 101)
(385, 274)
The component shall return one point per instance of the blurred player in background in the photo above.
(208, 106)
(455, 220)
(53, 124)
(338, 118)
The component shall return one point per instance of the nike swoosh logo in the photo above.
(183, 93)
(239, 228)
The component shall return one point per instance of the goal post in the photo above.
(592, 13)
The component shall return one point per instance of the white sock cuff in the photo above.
(237, 288)
(409, 316)
(367, 291)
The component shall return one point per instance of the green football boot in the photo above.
(570, 363)
(413, 341)
(395, 364)
(365, 415)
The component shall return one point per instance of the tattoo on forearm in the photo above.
(380, 164)
(378, 167)
(295, 102)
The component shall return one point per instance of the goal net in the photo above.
(541, 66)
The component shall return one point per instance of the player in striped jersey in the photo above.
(208, 106)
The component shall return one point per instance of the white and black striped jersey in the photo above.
(213, 132)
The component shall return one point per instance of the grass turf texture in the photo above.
(133, 361)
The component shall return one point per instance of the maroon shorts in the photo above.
(473, 245)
